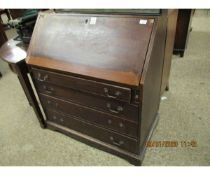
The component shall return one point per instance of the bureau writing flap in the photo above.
(107, 47)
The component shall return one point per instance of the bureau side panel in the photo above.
(151, 82)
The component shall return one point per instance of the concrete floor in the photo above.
(184, 116)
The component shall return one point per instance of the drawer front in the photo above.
(99, 133)
(88, 86)
(90, 115)
(114, 107)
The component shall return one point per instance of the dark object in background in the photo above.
(182, 31)
(3, 38)
(135, 12)
(171, 30)
(24, 25)
(16, 13)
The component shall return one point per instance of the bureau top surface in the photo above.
(107, 47)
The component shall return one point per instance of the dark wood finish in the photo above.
(135, 159)
(182, 30)
(171, 30)
(132, 158)
(128, 44)
(21, 69)
(151, 81)
(3, 39)
(83, 85)
(99, 83)
(15, 57)
(102, 134)
(16, 13)
(100, 74)
(110, 106)
(90, 115)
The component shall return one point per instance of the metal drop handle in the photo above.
(120, 124)
(117, 111)
(106, 91)
(56, 118)
(52, 104)
(48, 90)
(117, 143)
(45, 77)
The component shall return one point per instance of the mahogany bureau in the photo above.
(98, 77)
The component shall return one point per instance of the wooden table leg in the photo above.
(21, 70)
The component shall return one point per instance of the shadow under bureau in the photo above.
(98, 77)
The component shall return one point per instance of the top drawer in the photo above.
(89, 86)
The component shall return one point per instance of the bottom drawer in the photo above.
(99, 133)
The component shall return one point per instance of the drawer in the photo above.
(90, 115)
(84, 85)
(99, 133)
(114, 107)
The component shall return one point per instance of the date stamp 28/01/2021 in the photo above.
(172, 144)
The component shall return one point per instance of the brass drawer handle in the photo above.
(52, 104)
(56, 118)
(117, 143)
(45, 77)
(106, 91)
(117, 111)
(120, 124)
(109, 121)
(48, 90)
